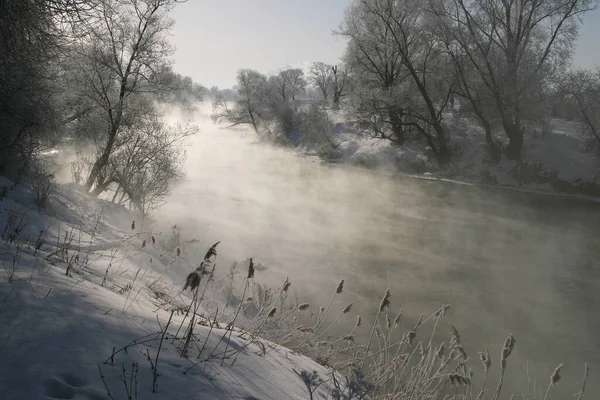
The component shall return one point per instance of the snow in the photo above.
(562, 156)
(59, 331)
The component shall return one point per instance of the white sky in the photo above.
(215, 38)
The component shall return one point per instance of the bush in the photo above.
(328, 152)
(42, 183)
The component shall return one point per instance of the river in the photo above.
(507, 262)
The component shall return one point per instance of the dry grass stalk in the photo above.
(340, 287)
(286, 285)
(586, 371)
(554, 378)
(507, 349)
(237, 312)
(385, 302)
(162, 336)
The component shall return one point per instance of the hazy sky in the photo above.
(215, 38)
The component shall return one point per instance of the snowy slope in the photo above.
(95, 334)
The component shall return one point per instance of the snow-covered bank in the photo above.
(562, 162)
(62, 333)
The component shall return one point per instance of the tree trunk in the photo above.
(102, 161)
(396, 123)
(336, 99)
(100, 187)
(114, 198)
(511, 119)
(443, 153)
(515, 141)
(493, 146)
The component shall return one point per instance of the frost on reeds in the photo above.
(385, 302)
(340, 287)
(286, 285)
(192, 282)
(485, 360)
(239, 308)
(316, 332)
(399, 364)
(554, 378)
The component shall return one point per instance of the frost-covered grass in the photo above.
(95, 306)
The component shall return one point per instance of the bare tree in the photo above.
(320, 77)
(182, 91)
(339, 84)
(145, 166)
(391, 43)
(121, 64)
(248, 108)
(373, 60)
(511, 46)
(581, 89)
(288, 84)
(33, 35)
(279, 98)
(330, 80)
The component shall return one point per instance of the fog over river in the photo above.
(507, 262)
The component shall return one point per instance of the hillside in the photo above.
(86, 306)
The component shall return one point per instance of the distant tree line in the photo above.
(93, 74)
(411, 66)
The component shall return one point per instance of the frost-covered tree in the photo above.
(262, 102)
(249, 106)
(120, 68)
(144, 167)
(581, 90)
(399, 70)
(320, 77)
(330, 80)
(33, 36)
(510, 51)
(339, 84)
(288, 84)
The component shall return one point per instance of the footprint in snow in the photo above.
(56, 389)
(68, 386)
(72, 380)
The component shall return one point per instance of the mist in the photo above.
(506, 262)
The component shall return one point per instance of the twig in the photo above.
(234, 318)
(104, 381)
(154, 382)
(209, 331)
(585, 377)
(134, 342)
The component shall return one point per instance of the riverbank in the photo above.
(92, 307)
(563, 161)
(430, 244)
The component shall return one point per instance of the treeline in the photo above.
(411, 66)
(93, 74)
(272, 104)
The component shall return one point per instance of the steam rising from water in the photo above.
(507, 263)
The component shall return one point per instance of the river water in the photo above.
(507, 262)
